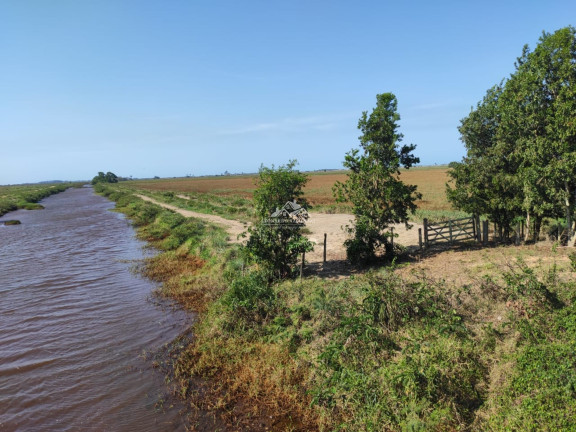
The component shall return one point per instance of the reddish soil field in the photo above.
(431, 182)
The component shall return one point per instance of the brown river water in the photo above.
(77, 327)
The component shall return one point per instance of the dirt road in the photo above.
(333, 225)
(318, 224)
(233, 227)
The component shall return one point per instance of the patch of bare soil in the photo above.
(462, 273)
(333, 225)
(465, 263)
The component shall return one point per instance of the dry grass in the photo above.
(431, 182)
(251, 382)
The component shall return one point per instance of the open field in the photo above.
(431, 182)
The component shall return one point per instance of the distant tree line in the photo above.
(109, 177)
(521, 142)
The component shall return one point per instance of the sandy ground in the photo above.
(318, 224)
(333, 225)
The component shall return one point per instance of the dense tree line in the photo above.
(109, 177)
(521, 142)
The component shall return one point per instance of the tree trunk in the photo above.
(528, 226)
(507, 233)
(568, 205)
(537, 226)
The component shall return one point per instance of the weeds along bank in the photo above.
(27, 196)
(373, 352)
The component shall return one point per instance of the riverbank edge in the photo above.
(27, 196)
(390, 348)
(194, 267)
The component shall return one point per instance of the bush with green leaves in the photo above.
(276, 247)
(539, 391)
(250, 300)
(399, 359)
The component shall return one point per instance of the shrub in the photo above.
(251, 297)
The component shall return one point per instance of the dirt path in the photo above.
(333, 225)
(233, 227)
(318, 224)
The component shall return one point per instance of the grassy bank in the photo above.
(395, 348)
(27, 196)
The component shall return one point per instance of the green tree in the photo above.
(109, 177)
(485, 181)
(273, 242)
(374, 188)
(276, 186)
(521, 141)
(541, 105)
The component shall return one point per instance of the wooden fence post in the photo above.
(420, 237)
(426, 233)
(478, 230)
(302, 264)
(392, 238)
(485, 232)
(450, 229)
(325, 236)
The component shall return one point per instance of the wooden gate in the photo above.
(452, 231)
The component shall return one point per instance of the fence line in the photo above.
(452, 230)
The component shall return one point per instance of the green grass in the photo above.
(27, 196)
(233, 207)
(374, 351)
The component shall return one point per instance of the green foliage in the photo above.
(381, 351)
(399, 359)
(539, 393)
(276, 186)
(484, 182)
(374, 188)
(277, 246)
(109, 177)
(27, 196)
(250, 298)
(521, 140)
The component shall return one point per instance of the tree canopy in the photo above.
(374, 188)
(109, 177)
(275, 243)
(521, 140)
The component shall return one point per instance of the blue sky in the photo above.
(173, 87)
